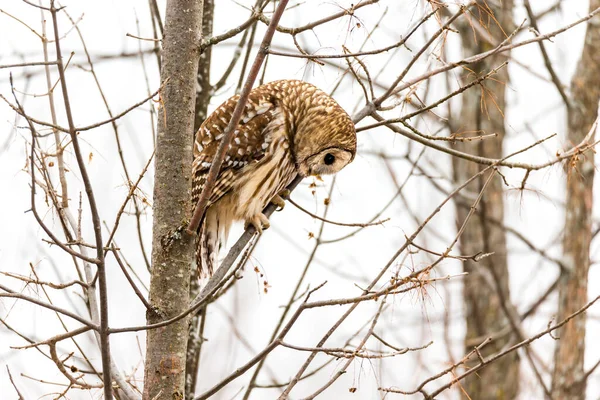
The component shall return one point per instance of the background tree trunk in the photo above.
(172, 249)
(482, 113)
(204, 91)
(568, 378)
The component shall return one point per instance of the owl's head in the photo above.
(325, 136)
(330, 149)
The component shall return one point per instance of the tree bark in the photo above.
(482, 112)
(172, 248)
(568, 380)
(204, 91)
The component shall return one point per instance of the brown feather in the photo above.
(283, 124)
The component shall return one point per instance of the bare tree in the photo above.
(172, 247)
(485, 289)
(569, 377)
(362, 285)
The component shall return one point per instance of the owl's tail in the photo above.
(208, 244)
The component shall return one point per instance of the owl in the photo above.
(288, 127)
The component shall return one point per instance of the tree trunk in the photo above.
(568, 380)
(203, 95)
(482, 112)
(204, 89)
(172, 248)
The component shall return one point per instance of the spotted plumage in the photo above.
(287, 128)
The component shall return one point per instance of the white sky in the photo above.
(361, 190)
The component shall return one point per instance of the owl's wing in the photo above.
(250, 142)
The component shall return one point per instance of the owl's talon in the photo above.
(278, 202)
(259, 222)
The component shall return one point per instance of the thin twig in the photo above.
(12, 294)
(557, 83)
(28, 64)
(104, 342)
(299, 207)
(14, 384)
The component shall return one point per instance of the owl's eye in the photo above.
(329, 159)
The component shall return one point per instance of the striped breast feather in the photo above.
(249, 144)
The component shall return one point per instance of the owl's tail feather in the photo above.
(207, 245)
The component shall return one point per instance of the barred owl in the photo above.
(288, 127)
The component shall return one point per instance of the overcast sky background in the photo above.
(361, 190)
